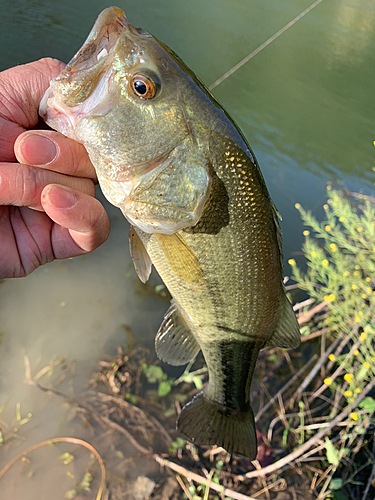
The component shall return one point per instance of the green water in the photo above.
(305, 104)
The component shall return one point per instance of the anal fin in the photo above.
(175, 344)
(139, 255)
(287, 333)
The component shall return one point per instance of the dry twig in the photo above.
(306, 446)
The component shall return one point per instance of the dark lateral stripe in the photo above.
(246, 336)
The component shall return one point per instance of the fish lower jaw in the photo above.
(56, 116)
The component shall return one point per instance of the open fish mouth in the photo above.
(85, 85)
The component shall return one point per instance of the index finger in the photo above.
(53, 151)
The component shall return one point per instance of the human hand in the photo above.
(47, 205)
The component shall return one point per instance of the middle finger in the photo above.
(22, 185)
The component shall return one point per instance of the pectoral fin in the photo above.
(175, 344)
(180, 257)
(287, 332)
(139, 255)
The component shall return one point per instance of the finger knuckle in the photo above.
(26, 185)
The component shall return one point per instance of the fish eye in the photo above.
(144, 86)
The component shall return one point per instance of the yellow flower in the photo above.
(372, 359)
(368, 290)
(366, 364)
(373, 293)
(357, 319)
(325, 206)
(306, 233)
(291, 262)
(368, 279)
(356, 266)
(297, 205)
(360, 314)
(341, 219)
(356, 352)
(328, 227)
(348, 394)
(359, 229)
(358, 390)
(325, 263)
(354, 416)
(364, 296)
(356, 273)
(329, 298)
(328, 381)
(363, 336)
(374, 143)
(354, 287)
(333, 247)
(346, 273)
(332, 357)
(313, 254)
(348, 377)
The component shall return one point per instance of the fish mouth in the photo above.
(99, 43)
(90, 69)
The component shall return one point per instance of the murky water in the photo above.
(305, 103)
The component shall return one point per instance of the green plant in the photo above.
(340, 273)
(156, 375)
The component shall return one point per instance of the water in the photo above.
(305, 104)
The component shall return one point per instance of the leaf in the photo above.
(154, 373)
(198, 382)
(164, 388)
(86, 481)
(66, 458)
(336, 483)
(368, 404)
(332, 455)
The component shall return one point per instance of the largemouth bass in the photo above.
(169, 156)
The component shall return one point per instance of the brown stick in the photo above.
(201, 480)
(304, 318)
(62, 440)
(284, 388)
(314, 371)
(300, 451)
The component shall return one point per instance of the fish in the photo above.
(170, 157)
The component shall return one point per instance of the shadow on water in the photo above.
(304, 103)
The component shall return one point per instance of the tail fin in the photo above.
(205, 422)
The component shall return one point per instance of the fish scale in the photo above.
(183, 175)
